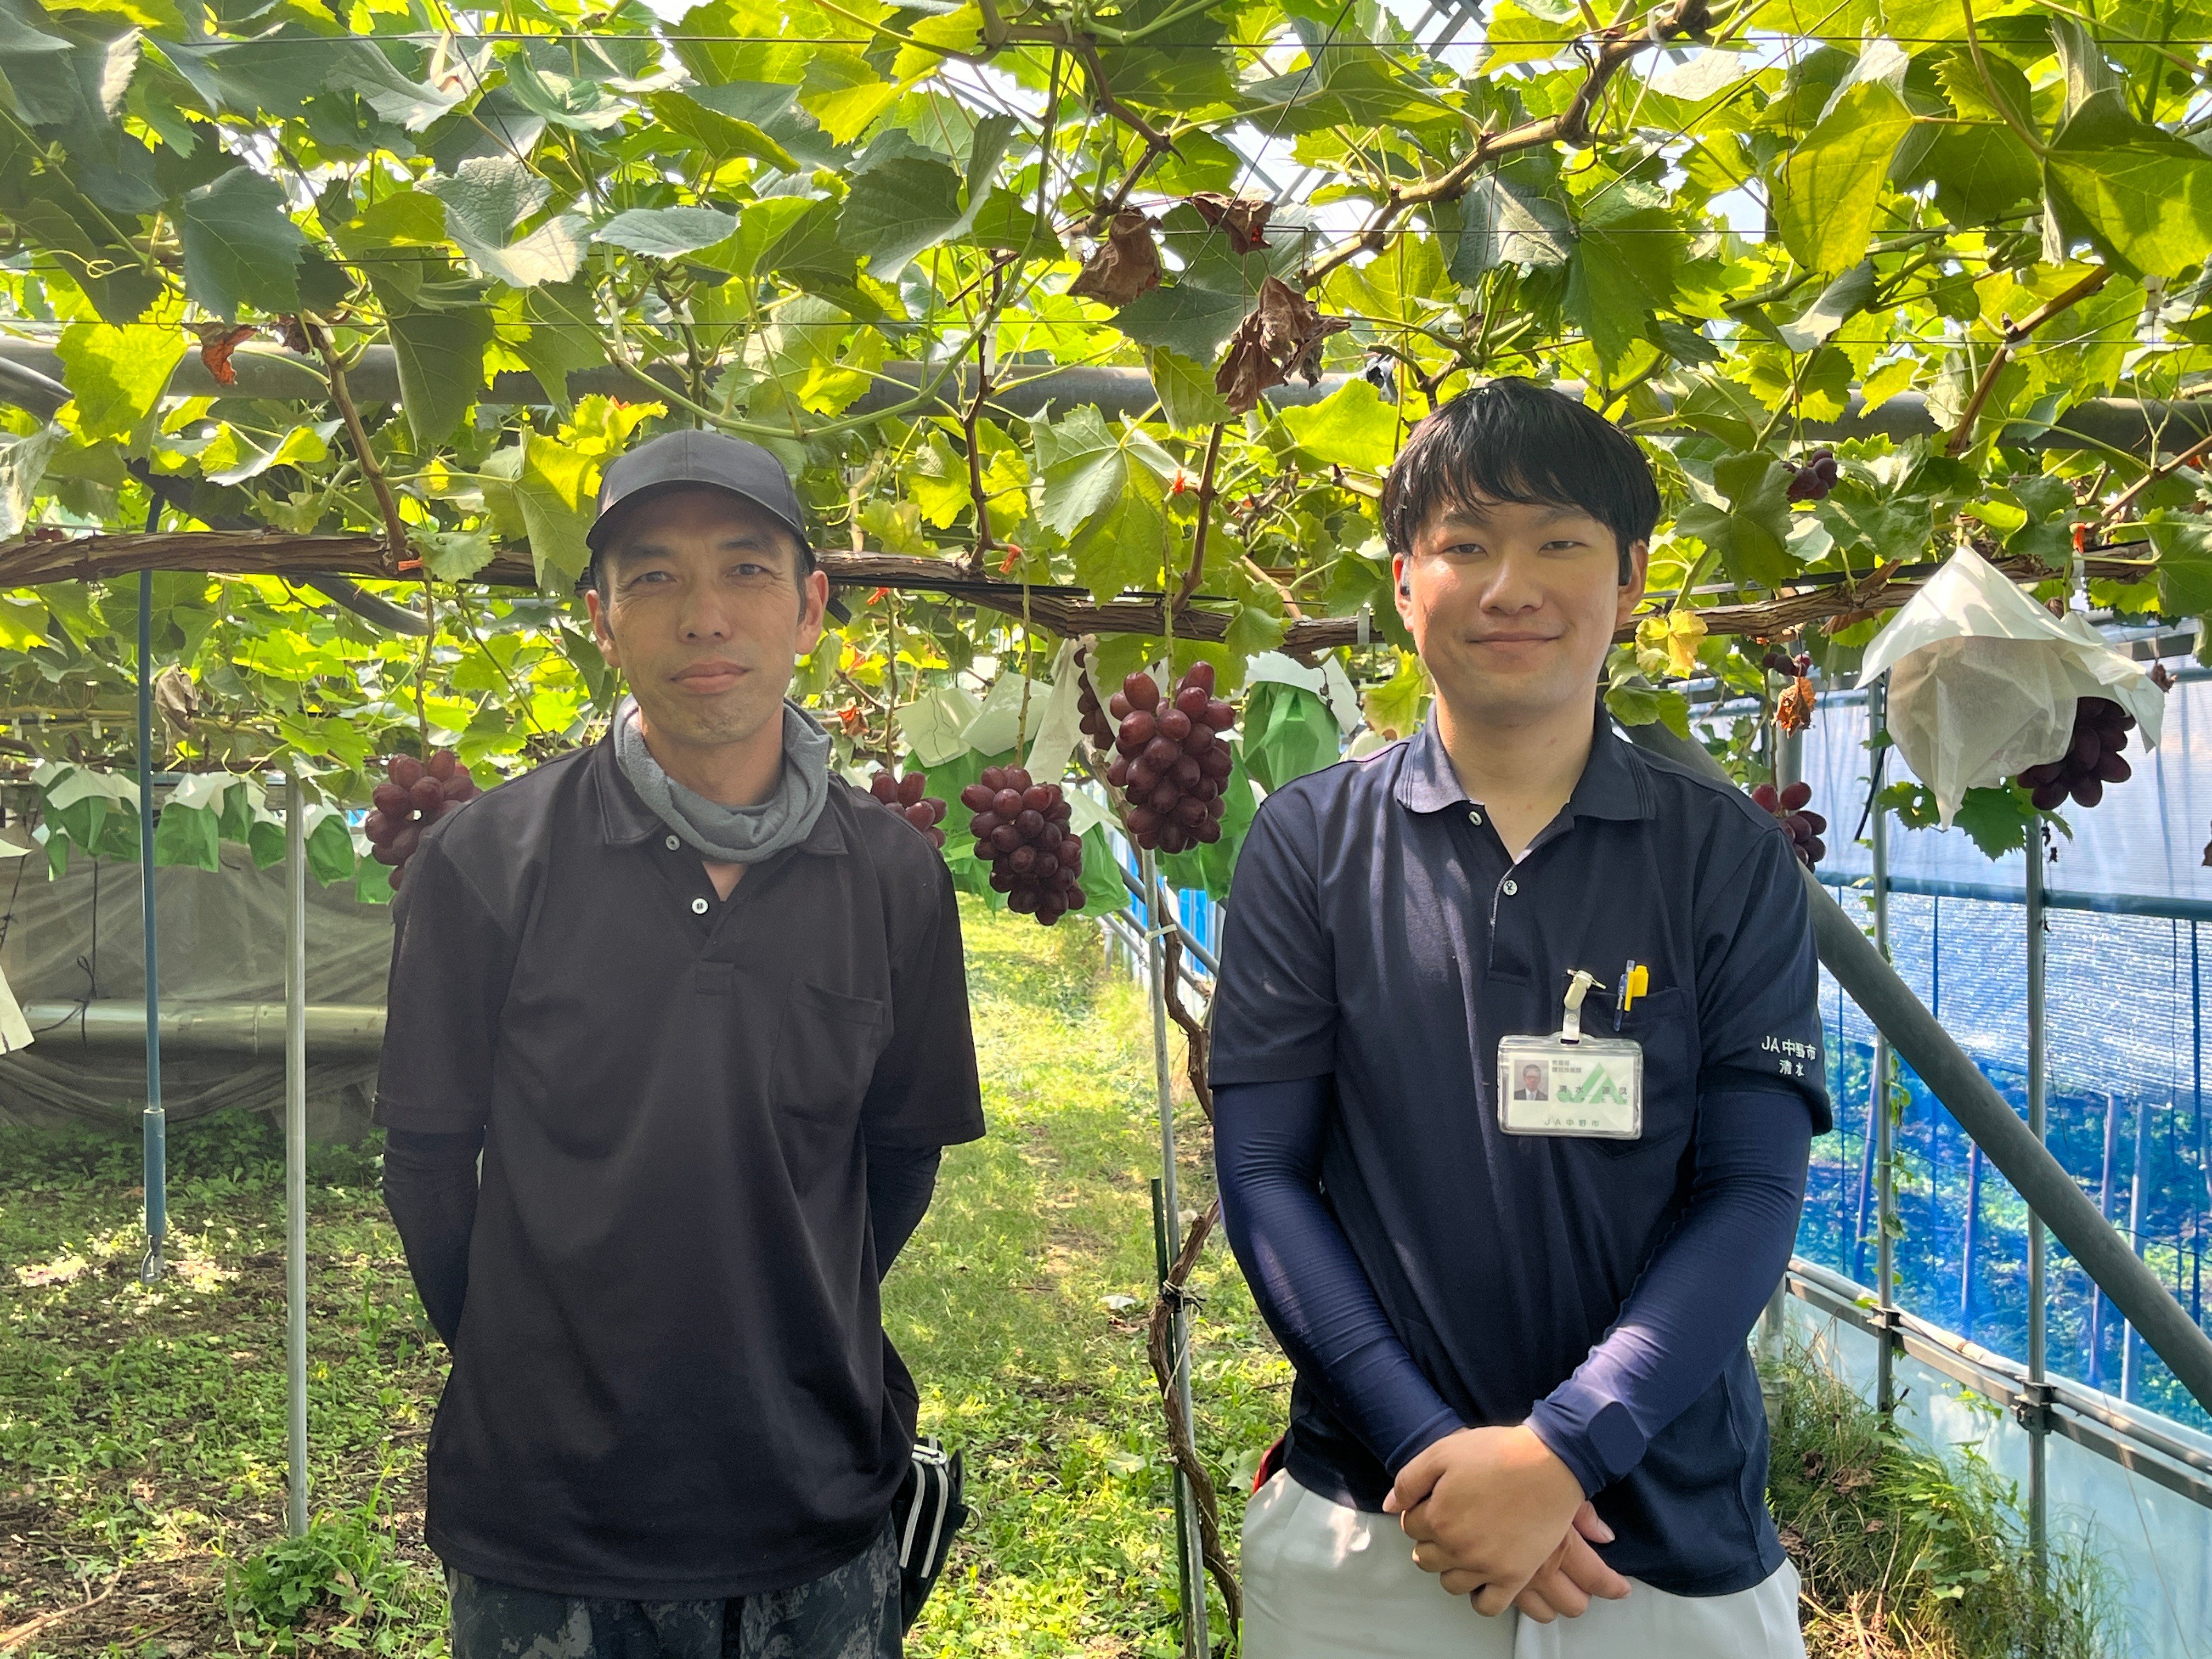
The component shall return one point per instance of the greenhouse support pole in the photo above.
(1774, 1322)
(2130, 1350)
(1191, 1568)
(2036, 1418)
(1878, 1114)
(153, 1122)
(295, 1153)
(1953, 1078)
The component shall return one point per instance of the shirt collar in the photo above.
(1611, 786)
(629, 820)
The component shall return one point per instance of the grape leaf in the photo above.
(1825, 198)
(240, 245)
(439, 357)
(1188, 319)
(1185, 390)
(1353, 428)
(118, 374)
(2141, 195)
(1751, 532)
(896, 209)
(665, 233)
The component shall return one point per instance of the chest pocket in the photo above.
(825, 1052)
(1662, 1021)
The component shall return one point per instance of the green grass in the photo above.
(1907, 1552)
(142, 1439)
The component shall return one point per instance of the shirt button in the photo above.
(1511, 888)
(1473, 817)
(699, 906)
(671, 843)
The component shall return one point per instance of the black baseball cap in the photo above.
(687, 459)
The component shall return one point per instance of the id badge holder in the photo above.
(1568, 1083)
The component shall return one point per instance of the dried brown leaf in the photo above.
(217, 342)
(1124, 265)
(1281, 338)
(1793, 711)
(1244, 218)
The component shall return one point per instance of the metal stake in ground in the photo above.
(1192, 1569)
(295, 1153)
(155, 1122)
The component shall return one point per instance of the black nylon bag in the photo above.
(925, 1515)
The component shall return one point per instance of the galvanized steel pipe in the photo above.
(1954, 1078)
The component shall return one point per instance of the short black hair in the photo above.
(1510, 440)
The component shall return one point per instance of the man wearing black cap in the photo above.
(701, 1006)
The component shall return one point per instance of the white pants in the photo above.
(1325, 1581)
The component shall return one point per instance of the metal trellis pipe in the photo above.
(153, 1122)
(1879, 1117)
(295, 1153)
(2019, 1156)
(2036, 1416)
(1190, 1565)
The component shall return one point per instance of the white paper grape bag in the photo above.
(1983, 680)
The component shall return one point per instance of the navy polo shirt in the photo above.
(1379, 933)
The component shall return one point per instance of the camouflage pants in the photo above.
(852, 1612)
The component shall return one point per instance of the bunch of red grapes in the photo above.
(1789, 805)
(1021, 830)
(2100, 731)
(1815, 477)
(1172, 763)
(905, 797)
(412, 797)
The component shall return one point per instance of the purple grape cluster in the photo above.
(1816, 476)
(1790, 807)
(1172, 763)
(905, 797)
(1021, 830)
(413, 796)
(2092, 760)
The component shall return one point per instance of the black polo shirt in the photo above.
(671, 1380)
(1378, 932)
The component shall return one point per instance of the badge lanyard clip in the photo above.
(1570, 1029)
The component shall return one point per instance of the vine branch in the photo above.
(1158, 1339)
(395, 528)
(1962, 435)
(1572, 125)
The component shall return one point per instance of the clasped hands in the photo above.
(1503, 1520)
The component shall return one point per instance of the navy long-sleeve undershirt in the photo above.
(1690, 1310)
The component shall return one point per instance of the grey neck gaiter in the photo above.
(733, 835)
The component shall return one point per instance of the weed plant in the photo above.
(1909, 1552)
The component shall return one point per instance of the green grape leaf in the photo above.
(2141, 195)
(1825, 196)
(240, 245)
(688, 114)
(439, 356)
(1191, 320)
(896, 209)
(118, 374)
(1750, 530)
(1185, 389)
(1351, 428)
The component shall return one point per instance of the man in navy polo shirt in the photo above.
(1516, 1305)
